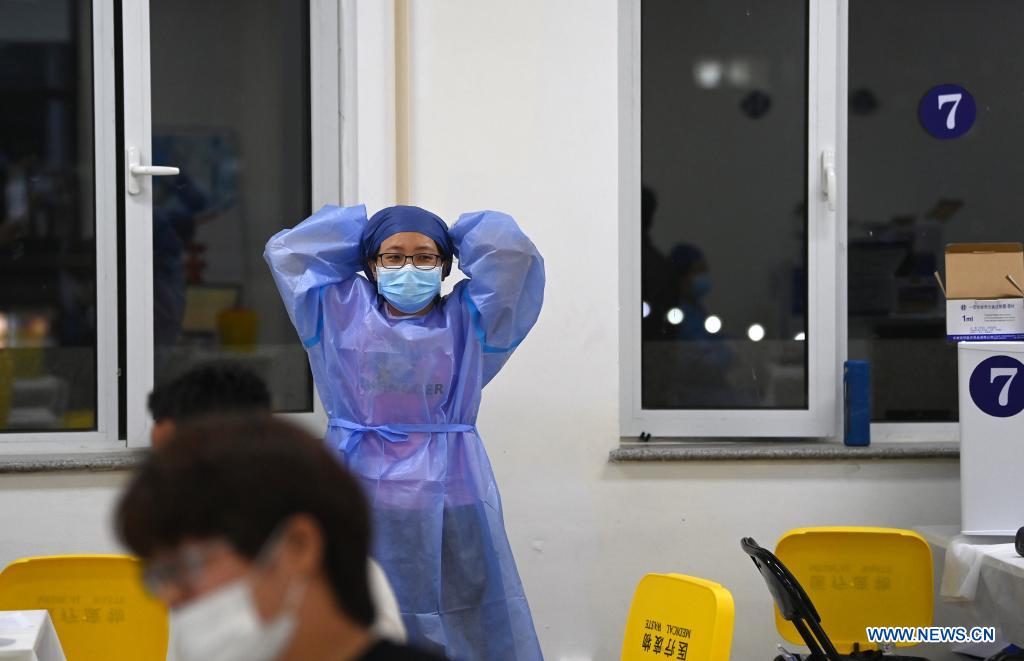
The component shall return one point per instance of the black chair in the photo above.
(796, 607)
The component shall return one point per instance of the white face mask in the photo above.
(225, 626)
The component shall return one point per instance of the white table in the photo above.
(28, 636)
(990, 595)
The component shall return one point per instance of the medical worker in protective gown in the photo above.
(400, 370)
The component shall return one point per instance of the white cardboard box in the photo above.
(972, 319)
(991, 392)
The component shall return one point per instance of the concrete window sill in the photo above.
(85, 461)
(631, 450)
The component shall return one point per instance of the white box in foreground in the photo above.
(991, 393)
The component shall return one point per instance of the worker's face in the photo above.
(161, 433)
(407, 244)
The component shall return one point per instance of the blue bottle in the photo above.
(857, 386)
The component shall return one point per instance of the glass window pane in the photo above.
(724, 144)
(47, 217)
(912, 193)
(230, 86)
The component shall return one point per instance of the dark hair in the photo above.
(239, 479)
(217, 387)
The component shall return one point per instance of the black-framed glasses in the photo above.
(396, 260)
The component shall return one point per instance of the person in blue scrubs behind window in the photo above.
(400, 371)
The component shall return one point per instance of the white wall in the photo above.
(515, 109)
(56, 513)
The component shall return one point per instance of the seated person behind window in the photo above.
(705, 358)
(257, 540)
(226, 387)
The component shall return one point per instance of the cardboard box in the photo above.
(991, 426)
(984, 299)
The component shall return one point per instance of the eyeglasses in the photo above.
(396, 260)
(182, 570)
(185, 568)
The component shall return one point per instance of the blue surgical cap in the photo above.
(392, 220)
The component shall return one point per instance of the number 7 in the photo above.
(995, 373)
(955, 100)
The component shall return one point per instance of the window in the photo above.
(51, 254)
(805, 274)
(728, 309)
(723, 275)
(240, 133)
(112, 281)
(910, 193)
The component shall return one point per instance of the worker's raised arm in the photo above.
(321, 250)
(505, 290)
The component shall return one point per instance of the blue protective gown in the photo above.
(402, 395)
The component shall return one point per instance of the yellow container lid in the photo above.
(97, 603)
(679, 617)
(859, 577)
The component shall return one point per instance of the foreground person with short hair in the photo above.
(257, 540)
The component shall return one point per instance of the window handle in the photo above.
(828, 177)
(134, 170)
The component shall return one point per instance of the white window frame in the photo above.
(823, 416)
(333, 107)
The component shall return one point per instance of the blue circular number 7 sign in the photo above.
(947, 111)
(997, 386)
